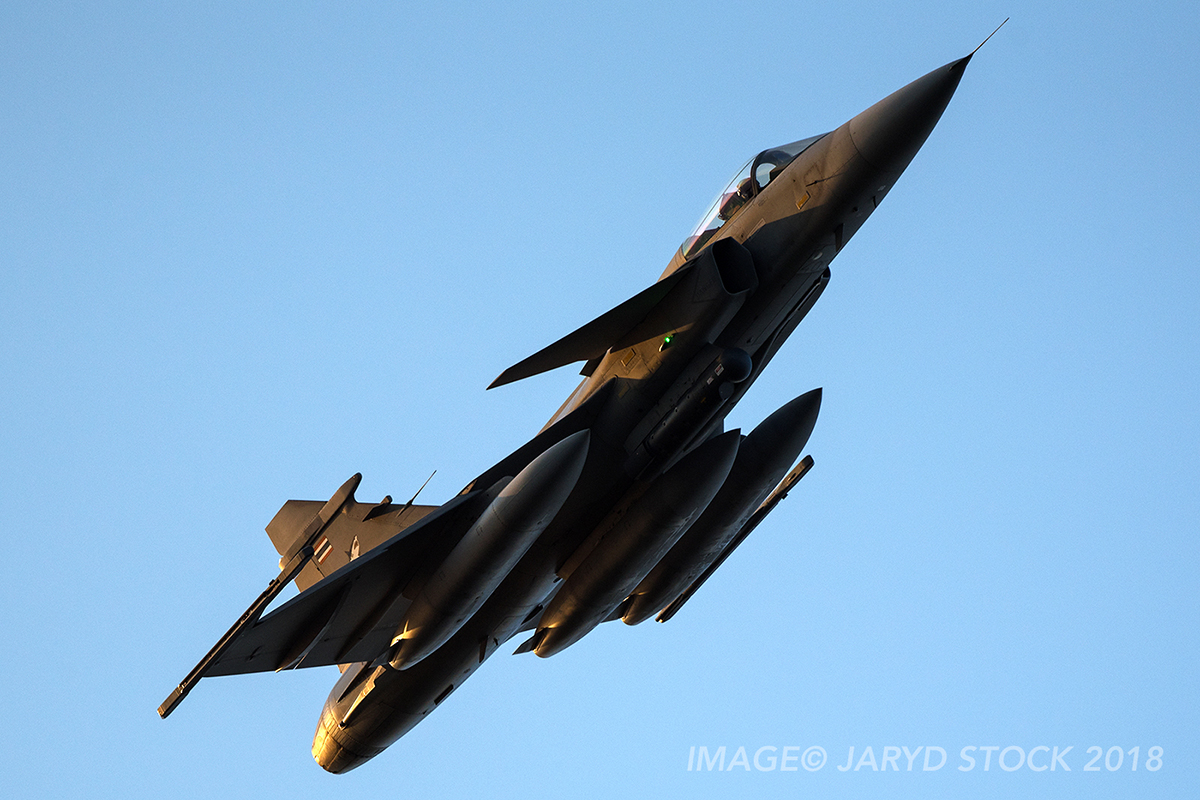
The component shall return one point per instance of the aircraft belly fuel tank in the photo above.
(629, 497)
(636, 540)
(489, 550)
(763, 459)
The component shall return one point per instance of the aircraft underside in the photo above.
(629, 498)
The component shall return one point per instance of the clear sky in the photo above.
(251, 249)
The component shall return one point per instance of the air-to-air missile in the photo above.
(630, 496)
(763, 459)
(629, 542)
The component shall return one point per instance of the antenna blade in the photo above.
(423, 485)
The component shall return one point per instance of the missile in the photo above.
(762, 460)
(777, 495)
(489, 550)
(636, 541)
(298, 554)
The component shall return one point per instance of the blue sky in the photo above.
(249, 251)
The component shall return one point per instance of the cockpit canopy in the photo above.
(749, 181)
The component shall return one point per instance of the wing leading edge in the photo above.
(346, 617)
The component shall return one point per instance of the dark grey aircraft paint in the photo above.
(629, 497)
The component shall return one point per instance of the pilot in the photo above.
(736, 199)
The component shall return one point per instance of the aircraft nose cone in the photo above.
(889, 133)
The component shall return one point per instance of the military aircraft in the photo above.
(629, 497)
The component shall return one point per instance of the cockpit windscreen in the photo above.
(749, 181)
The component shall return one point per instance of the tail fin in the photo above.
(359, 527)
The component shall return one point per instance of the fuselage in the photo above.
(653, 404)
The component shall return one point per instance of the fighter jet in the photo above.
(628, 498)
